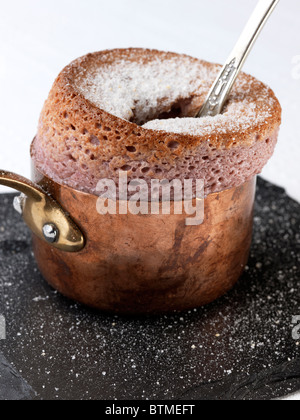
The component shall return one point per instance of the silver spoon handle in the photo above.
(223, 85)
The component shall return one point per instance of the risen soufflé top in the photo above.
(133, 110)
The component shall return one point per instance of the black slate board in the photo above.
(240, 347)
(12, 385)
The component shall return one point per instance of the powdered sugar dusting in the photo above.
(238, 117)
(136, 90)
(245, 109)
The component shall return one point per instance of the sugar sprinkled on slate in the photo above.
(66, 351)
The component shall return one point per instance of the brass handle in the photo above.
(43, 215)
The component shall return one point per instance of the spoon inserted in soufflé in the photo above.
(222, 87)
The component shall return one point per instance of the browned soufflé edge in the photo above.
(78, 143)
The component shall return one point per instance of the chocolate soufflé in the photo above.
(133, 110)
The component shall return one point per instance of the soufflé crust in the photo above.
(133, 109)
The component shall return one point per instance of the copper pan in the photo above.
(135, 264)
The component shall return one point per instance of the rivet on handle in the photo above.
(51, 233)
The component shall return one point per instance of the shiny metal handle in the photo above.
(43, 215)
(223, 85)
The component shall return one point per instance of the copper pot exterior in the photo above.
(143, 264)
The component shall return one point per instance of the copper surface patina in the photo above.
(143, 264)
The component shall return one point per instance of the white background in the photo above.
(39, 37)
